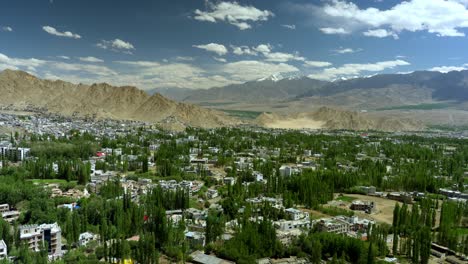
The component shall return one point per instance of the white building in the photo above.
(4, 208)
(258, 176)
(3, 250)
(334, 225)
(229, 180)
(285, 171)
(285, 225)
(11, 152)
(86, 237)
(49, 234)
(212, 193)
(10, 216)
(296, 214)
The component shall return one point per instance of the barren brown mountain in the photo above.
(20, 89)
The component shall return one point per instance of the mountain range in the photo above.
(388, 102)
(427, 85)
(21, 90)
(266, 90)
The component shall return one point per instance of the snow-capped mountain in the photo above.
(283, 76)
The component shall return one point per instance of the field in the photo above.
(384, 212)
(48, 181)
(346, 198)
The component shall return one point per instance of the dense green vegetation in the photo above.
(346, 161)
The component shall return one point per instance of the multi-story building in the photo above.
(285, 171)
(12, 153)
(32, 235)
(334, 225)
(296, 214)
(87, 237)
(195, 239)
(212, 193)
(49, 235)
(229, 180)
(365, 206)
(10, 216)
(285, 225)
(401, 197)
(369, 190)
(4, 208)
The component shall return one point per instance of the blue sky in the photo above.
(202, 44)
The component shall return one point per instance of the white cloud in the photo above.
(35, 65)
(140, 63)
(16, 63)
(66, 34)
(153, 74)
(380, 33)
(442, 17)
(182, 58)
(116, 45)
(83, 68)
(213, 47)
(345, 50)
(267, 51)
(219, 59)
(120, 44)
(232, 13)
(334, 31)
(149, 74)
(7, 29)
(445, 69)
(317, 64)
(63, 57)
(353, 69)
(90, 59)
(282, 57)
(263, 48)
(243, 50)
(289, 26)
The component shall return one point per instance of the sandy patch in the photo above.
(298, 123)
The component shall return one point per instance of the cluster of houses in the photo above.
(198, 159)
(299, 222)
(59, 126)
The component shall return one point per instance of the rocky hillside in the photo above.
(21, 90)
(330, 118)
